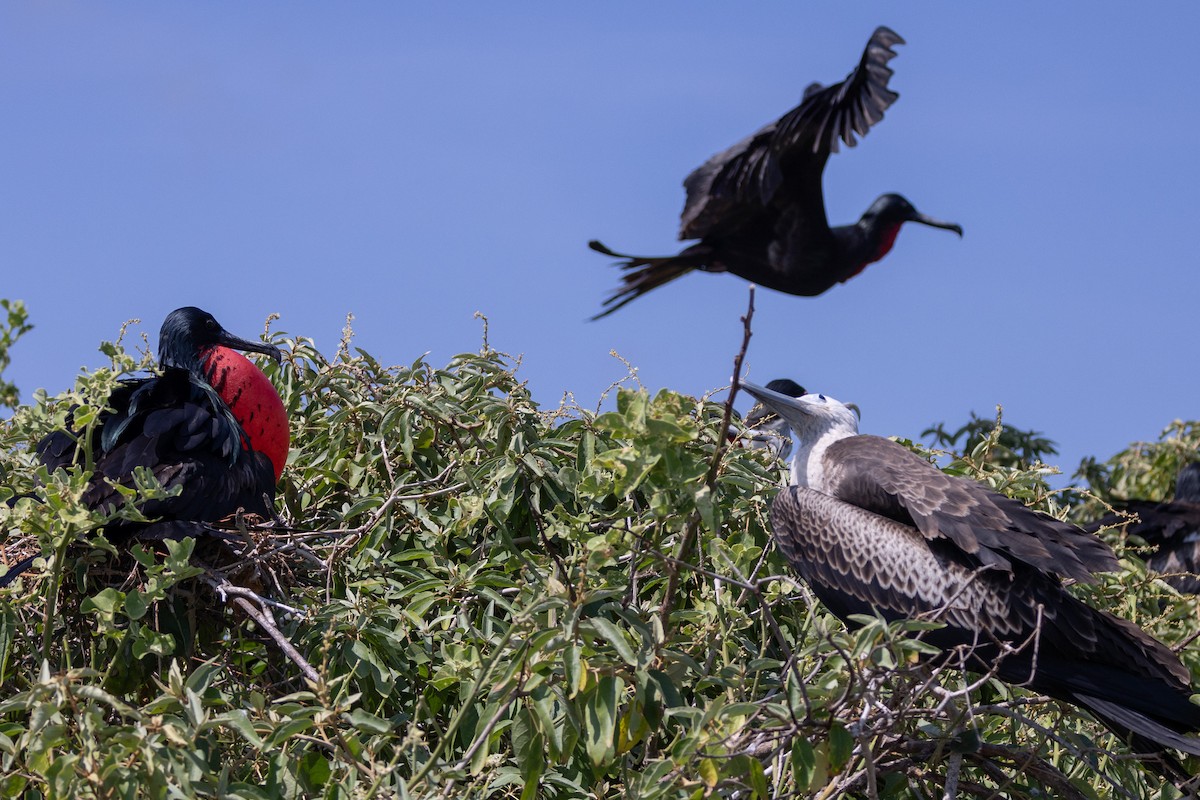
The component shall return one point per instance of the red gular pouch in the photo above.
(253, 401)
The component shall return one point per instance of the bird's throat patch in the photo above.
(253, 402)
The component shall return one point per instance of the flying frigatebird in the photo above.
(758, 208)
(872, 527)
(211, 424)
(1172, 527)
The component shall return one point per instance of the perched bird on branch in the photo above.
(1172, 527)
(874, 528)
(758, 208)
(210, 424)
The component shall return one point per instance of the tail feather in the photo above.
(1123, 718)
(17, 569)
(1148, 737)
(643, 273)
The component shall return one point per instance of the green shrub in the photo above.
(499, 600)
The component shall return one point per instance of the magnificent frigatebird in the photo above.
(758, 208)
(1172, 527)
(210, 424)
(872, 527)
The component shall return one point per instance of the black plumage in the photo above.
(177, 427)
(1171, 527)
(758, 208)
(875, 528)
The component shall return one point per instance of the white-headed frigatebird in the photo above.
(873, 527)
(1172, 527)
(211, 424)
(758, 207)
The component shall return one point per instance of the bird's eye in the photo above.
(822, 397)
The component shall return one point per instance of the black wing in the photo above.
(790, 153)
(1173, 528)
(1166, 523)
(184, 435)
(886, 478)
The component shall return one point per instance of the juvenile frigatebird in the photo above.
(1172, 527)
(758, 208)
(211, 424)
(872, 527)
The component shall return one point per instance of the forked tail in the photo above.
(643, 273)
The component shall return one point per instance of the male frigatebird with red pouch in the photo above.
(758, 208)
(211, 424)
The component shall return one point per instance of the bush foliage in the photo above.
(504, 600)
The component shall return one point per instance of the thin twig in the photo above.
(260, 616)
(727, 417)
(693, 526)
(223, 589)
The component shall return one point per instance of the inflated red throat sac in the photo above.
(253, 401)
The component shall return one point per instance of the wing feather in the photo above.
(995, 531)
(858, 561)
(790, 154)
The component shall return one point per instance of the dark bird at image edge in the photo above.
(758, 208)
(767, 430)
(1171, 527)
(874, 528)
(210, 423)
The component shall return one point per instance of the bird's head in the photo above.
(188, 333)
(893, 210)
(811, 417)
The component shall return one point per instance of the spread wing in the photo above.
(881, 476)
(789, 155)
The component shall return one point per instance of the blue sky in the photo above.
(416, 163)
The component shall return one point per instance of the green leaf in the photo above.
(8, 631)
(238, 721)
(106, 602)
(804, 764)
(136, 605)
(572, 668)
(758, 780)
(600, 720)
(613, 635)
(841, 745)
(365, 721)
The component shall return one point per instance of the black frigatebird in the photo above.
(211, 424)
(872, 527)
(758, 208)
(1172, 527)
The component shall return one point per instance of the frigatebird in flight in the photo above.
(873, 527)
(758, 208)
(210, 424)
(1172, 527)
